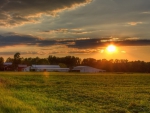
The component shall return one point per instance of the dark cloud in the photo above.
(22, 53)
(22, 11)
(96, 43)
(143, 42)
(88, 43)
(2, 2)
(12, 39)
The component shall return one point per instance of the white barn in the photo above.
(48, 68)
(86, 69)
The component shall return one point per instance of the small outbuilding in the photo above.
(27, 69)
(21, 67)
(86, 69)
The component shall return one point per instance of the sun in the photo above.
(111, 49)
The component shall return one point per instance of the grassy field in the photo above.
(74, 93)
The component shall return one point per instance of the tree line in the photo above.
(112, 65)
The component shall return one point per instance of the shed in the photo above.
(86, 69)
(27, 69)
(21, 67)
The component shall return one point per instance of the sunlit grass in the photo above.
(74, 93)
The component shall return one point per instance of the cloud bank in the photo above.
(12, 39)
(17, 12)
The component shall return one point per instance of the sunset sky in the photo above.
(83, 28)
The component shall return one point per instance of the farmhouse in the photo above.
(48, 68)
(86, 69)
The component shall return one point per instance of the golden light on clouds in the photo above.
(123, 51)
(102, 51)
(134, 23)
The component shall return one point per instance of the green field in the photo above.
(49, 92)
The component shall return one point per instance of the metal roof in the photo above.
(45, 66)
(7, 63)
(22, 65)
(81, 67)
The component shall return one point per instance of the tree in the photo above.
(71, 61)
(17, 56)
(43, 61)
(17, 60)
(1, 61)
(53, 60)
(89, 62)
(9, 60)
(62, 65)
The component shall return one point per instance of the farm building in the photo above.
(27, 69)
(86, 69)
(7, 66)
(21, 67)
(48, 68)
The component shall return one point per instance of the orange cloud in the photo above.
(134, 23)
(63, 30)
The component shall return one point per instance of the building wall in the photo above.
(89, 70)
(20, 68)
(40, 69)
(27, 69)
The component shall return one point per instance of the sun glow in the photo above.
(111, 49)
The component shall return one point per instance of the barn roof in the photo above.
(7, 63)
(45, 66)
(23, 66)
(84, 67)
(81, 67)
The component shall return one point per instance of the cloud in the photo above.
(140, 42)
(55, 31)
(64, 31)
(97, 43)
(123, 52)
(7, 53)
(14, 39)
(17, 12)
(148, 12)
(2, 3)
(82, 51)
(134, 23)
